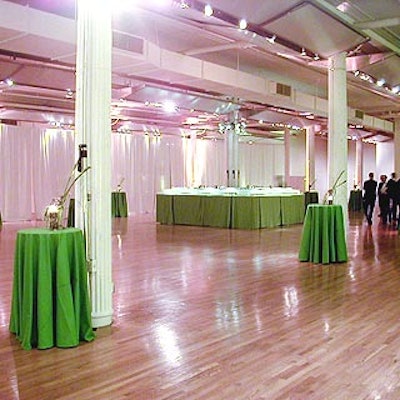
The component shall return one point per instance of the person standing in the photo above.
(383, 199)
(391, 191)
(396, 200)
(369, 197)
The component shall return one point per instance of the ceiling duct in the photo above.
(123, 41)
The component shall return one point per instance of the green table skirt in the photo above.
(355, 200)
(50, 299)
(323, 237)
(238, 212)
(119, 204)
(119, 207)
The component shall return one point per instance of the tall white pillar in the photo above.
(397, 146)
(287, 156)
(337, 134)
(93, 127)
(359, 173)
(233, 172)
(310, 158)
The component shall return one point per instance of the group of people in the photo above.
(388, 192)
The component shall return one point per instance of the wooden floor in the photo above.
(215, 314)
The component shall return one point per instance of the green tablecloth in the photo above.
(50, 300)
(270, 212)
(188, 210)
(355, 200)
(323, 238)
(217, 211)
(165, 209)
(292, 210)
(119, 205)
(238, 212)
(246, 212)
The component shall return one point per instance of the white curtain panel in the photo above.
(35, 164)
(34, 168)
(261, 164)
(17, 146)
(53, 167)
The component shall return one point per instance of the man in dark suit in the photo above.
(391, 190)
(383, 199)
(369, 197)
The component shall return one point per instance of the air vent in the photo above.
(284, 90)
(8, 122)
(359, 114)
(126, 42)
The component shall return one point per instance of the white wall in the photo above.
(385, 158)
(369, 161)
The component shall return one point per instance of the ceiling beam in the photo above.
(222, 47)
(341, 16)
(380, 23)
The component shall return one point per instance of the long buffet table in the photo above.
(239, 209)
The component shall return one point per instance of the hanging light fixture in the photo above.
(208, 10)
(242, 24)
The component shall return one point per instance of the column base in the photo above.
(100, 320)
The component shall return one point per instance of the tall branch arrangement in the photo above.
(53, 214)
(332, 191)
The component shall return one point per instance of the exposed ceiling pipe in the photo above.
(29, 59)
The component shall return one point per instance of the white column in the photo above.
(310, 158)
(93, 127)
(233, 172)
(337, 134)
(232, 143)
(287, 156)
(397, 146)
(358, 171)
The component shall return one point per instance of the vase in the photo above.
(54, 217)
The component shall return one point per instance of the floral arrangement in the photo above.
(119, 186)
(330, 194)
(54, 212)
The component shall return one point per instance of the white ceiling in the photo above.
(37, 50)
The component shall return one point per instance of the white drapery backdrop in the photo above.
(35, 164)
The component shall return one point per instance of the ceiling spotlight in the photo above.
(343, 7)
(316, 57)
(184, 5)
(9, 82)
(69, 94)
(169, 106)
(396, 89)
(208, 10)
(271, 39)
(356, 73)
(242, 24)
(380, 82)
(303, 52)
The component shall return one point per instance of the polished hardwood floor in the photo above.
(215, 314)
